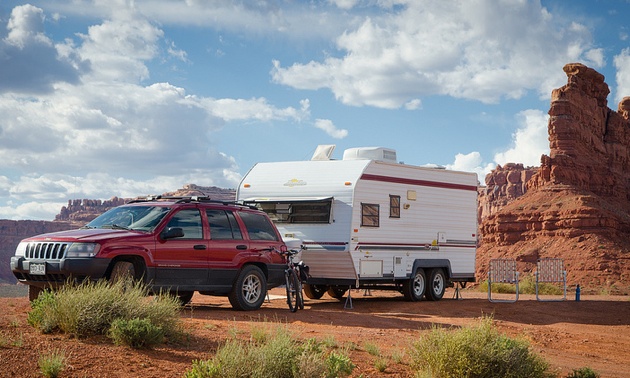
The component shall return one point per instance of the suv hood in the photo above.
(86, 235)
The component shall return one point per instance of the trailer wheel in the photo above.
(337, 292)
(315, 291)
(413, 288)
(436, 285)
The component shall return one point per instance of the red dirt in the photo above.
(594, 332)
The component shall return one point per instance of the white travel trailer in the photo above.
(370, 222)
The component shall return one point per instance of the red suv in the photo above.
(179, 244)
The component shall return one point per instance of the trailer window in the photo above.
(298, 211)
(394, 206)
(369, 214)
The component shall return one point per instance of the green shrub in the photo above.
(584, 372)
(136, 333)
(43, 313)
(276, 355)
(339, 365)
(475, 351)
(52, 364)
(92, 307)
(372, 349)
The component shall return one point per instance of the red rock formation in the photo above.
(576, 205)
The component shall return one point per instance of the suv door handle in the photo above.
(241, 246)
(199, 246)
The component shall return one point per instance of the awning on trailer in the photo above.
(287, 199)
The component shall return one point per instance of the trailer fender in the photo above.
(433, 263)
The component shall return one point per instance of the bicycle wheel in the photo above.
(292, 285)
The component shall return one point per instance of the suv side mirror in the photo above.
(173, 232)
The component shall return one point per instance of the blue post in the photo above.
(577, 293)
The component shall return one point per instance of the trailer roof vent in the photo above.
(323, 152)
(370, 153)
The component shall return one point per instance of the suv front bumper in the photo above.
(58, 272)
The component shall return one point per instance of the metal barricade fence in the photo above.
(502, 271)
(551, 270)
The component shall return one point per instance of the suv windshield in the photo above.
(140, 218)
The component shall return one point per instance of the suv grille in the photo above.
(46, 251)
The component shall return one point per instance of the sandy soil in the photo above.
(594, 332)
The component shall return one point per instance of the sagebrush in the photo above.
(91, 308)
(475, 351)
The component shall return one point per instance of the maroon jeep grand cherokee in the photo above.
(179, 244)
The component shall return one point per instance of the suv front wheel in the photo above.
(249, 290)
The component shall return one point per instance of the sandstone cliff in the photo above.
(576, 204)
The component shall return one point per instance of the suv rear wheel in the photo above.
(249, 290)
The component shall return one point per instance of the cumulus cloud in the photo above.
(622, 64)
(530, 140)
(102, 132)
(480, 50)
(31, 63)
(329, 128)
(529, 143)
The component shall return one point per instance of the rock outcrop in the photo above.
(576, 204)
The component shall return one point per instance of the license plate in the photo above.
(37, 269)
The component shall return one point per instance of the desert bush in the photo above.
(584, 372)
(136, 333)
(276, 355)
(475, 351)
(90, 308)
(52, 363)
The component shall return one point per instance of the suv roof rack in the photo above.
(188, 199)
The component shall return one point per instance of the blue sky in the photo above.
(126, 98)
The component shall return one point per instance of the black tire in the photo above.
(34, 292)
(122, 271)
(436, 284)
(249, 290)
(314, 291)
(414, 288)
(293, 295)
(336, 292)
(184, 297)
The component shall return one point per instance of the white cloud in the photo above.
(530, 140)
(30, 62)
(108, 134)
(622, 64)
(329, 128)
(482, 50)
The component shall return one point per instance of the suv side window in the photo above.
(258, 226)
(190, 222)
(223, 225)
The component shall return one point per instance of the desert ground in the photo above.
(594, 332)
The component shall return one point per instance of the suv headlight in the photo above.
(20, 251)
(82, 250)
